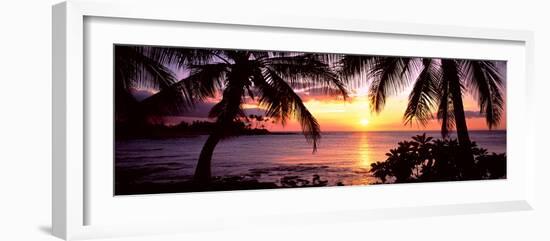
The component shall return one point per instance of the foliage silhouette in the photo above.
(269, 78)
(184, 129)
(272, 78)
(138, 67)
(438, 85)
(425, 159)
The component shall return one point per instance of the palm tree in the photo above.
(143, 67)
(438, 84)
(268, 78)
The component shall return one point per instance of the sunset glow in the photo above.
(355, 115)
(222, 119)
(335, 114)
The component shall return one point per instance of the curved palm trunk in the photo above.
(203, 172)
(230, 108)
(467, 158)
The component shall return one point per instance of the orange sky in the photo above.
(334, 114)
(354, 115)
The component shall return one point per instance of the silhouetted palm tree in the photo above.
(269, 78)
(439, 85)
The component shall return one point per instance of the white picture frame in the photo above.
(73, 187)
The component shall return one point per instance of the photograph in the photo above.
(190, 119)
(275, 120)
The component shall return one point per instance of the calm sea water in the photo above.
(341, 157)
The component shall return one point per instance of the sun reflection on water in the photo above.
(364, 151)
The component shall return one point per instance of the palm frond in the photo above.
(485, 83)
(281, 101)
(260, 55)
(390, 75)
(356, 66)
(307, 72)
(203, 82)
(206, 79)
(276, 104)
(424, 95)
(333, 60)
(134, 67)
(182, 57)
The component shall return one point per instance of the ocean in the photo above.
(342, 157)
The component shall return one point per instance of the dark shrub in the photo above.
(425, 159)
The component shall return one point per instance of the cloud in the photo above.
(473, 114)
(254, 111)
(141, 94)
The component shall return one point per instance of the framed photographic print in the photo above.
(169, 123)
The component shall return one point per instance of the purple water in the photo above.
(341, 156)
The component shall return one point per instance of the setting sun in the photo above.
(364, 122)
